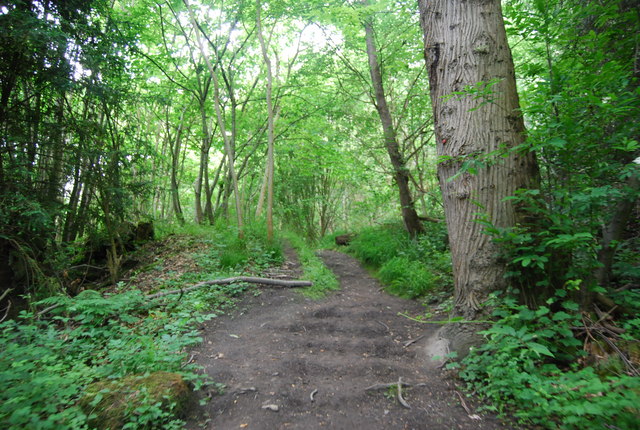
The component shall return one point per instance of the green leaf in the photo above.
(571, 306)
(540, 349)
(561, 316)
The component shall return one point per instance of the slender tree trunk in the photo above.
(400, 171)
(263, 192)
(269, 169)
(175, 165)
(221, 123)
(466, 46)
(81, 219)
(613, 231)
(204, 161)
(54, 182)
(74, 199)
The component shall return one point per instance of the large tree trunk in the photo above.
(400, 171)
(466, 47)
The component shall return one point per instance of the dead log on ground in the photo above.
(227, 281)
(344, 239)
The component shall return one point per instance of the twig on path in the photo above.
(466, 408)
(189, 361)
(245, 390)
(402, 401)
(463, 403)
(384, 325)
(227, 281)
(412, 341)
(312, 395)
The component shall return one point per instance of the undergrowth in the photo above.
(409, 268)
(47, 362)
(531, 367)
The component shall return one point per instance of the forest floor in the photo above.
(290, 362)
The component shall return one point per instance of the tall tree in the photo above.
(270, 124)
(400, 170)
(477, 116)
(221, 120)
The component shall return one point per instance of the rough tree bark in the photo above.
(466, 47)
(400, 171)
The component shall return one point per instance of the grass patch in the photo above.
(406, 278)
(314, 269)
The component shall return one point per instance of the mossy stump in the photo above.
(110, 403)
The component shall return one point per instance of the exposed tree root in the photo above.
(375, 387)
(401, 399)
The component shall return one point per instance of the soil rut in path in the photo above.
(289, 362)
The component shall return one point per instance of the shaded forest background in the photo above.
(108, 117)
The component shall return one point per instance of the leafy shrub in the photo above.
(46, 366)
(227, 251)
(406, 278)
(517, 369)
(377, 245)
(410, 268)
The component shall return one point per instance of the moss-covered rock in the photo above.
(112, 403)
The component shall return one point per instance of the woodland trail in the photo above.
(312, 360)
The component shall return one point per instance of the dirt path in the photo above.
(312, 360)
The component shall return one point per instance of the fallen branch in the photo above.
(8, 308)
(6, 313)
(47, 309)
(429, 219)
(6, 293)
(227, 281)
